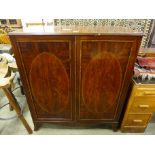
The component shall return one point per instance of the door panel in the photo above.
(102, 65)
(49, 66)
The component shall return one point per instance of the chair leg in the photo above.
(21, 86)
(10, 107)
(16, 107)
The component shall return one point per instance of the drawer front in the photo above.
(137, 119)
(134, 129)
(142, 105)
(147, 92)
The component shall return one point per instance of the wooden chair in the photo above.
(6, 80)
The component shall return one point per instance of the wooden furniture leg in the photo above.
(36, 126)
(10, 107)
(115, 127)
(16, 107)
(21, 86)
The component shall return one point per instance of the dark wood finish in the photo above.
(53, 88)
(104, 70)
(76, 78)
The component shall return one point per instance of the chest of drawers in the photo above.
(140, 108)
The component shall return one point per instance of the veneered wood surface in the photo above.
(81, 59)
(47, 74)
(77, 30)
(50, 89)
(112, 58)
(101, 83)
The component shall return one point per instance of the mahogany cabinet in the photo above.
(73, 78)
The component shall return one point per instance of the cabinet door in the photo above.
(47, 69)
(104, 65)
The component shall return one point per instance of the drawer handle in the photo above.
(137, 121)
(149, 93)
(144, 106)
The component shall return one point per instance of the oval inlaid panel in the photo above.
(101, 83)
(49, 83)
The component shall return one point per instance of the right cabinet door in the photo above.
(104, 70)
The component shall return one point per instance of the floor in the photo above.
(15, 127)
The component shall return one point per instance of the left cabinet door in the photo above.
(46, 65)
